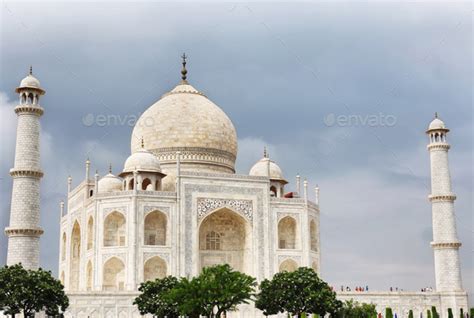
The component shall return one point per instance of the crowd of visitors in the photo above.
(427, 289)
(357, 288)
(366, 289)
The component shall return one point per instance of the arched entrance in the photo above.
(287, 233)
(114, 229)
(114, 275)
(155, 228)
(75, 257)
(225, 238)
(313, 236)
(154, 268)
(89, 276)
(288, 265)
(90, 232)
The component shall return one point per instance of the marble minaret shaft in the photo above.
(24, 231)
(445, 240)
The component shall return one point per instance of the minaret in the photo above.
(445, 240)
(24, 231)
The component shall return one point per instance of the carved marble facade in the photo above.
(120, 239)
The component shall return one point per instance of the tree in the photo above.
(216, 290)
(30, 291)
(434, 312)
(154, 298)
(428, 313)
(388, 313)
(450, 313)
(297, 292)
(471, 312)
(461, 313)
(227, 288)
(190, 301)
(410, 314)
(351, 309)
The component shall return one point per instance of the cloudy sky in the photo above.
(339, 92)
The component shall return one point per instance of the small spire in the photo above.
(110, 167)
(436, 114)
(265, 153)
(143, 143)
(31, 70)
(183, 70)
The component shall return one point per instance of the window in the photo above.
(213, 241)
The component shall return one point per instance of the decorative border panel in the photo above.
(206, 205)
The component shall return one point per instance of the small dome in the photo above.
(30, 82)
(142, 160)
(109, 183)
(262, 167)
(437, 124)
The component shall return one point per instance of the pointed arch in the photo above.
(75, 255)
(114, 275)
(89, 275)
(225, 237)
(287, 233)
(155, 226)
(288, 265)
(114, 229)
(90, 232)
(154, 268)
(145, 183)
(63, 247)
(273, 191)
(313, 236)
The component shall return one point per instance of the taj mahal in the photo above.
(177, 205)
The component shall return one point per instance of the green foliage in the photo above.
(190, 301)
(434, 312)
(154, 298)
(428, 313)
(351, 309)
(388, 313)
(471, 312)
(216, 290)
(410, 314)
(461, 313)
(30, 291)
(297, 292)
(450, 313)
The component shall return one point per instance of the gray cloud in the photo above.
(278, 71)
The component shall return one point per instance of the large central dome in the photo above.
(186, 120)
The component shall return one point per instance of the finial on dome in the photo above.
(31, 70)
(110, 167)
(143, 143)
(183, 70)
(265, 153)
(436, 114)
